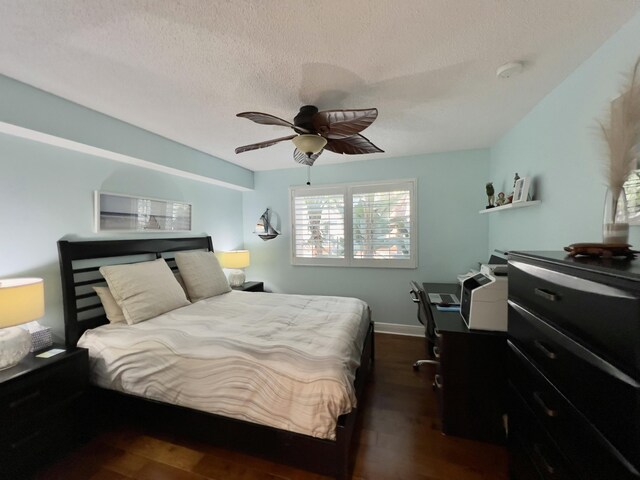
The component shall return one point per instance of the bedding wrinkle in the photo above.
(286, 361)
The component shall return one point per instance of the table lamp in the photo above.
(21, 301)
(236, 260)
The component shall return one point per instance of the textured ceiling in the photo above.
(183, 69)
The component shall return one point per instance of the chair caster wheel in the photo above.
(416, 367)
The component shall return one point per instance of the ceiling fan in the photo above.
(335, 130)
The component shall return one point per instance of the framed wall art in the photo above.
(521, 190)
(114, 212)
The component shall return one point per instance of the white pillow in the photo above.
(144, 290)
(111, 308)
(202, 274)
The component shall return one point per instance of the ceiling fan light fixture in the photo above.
(309, 143)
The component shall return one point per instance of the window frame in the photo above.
(348, 190)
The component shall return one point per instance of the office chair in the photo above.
(424, 317)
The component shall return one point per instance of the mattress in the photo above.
(286, 361)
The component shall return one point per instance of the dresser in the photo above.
(471, 378)
(41, 410)
(573, 367)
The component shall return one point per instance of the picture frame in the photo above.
(521, 190)
(115, 212)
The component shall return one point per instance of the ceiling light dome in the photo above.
(309, 144)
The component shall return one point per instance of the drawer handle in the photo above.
(24, 440)
(437, 333)
(547, 295)
(550, 354)
(437, 380)
(25, 399)
(436, 351)
(545, 463)
(550, 412)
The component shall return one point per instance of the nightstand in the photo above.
(250, 287)
(41, 409)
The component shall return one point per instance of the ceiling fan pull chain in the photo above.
(308, 174)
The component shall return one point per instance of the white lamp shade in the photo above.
(309, 143)
(21, 300)
(234, 259)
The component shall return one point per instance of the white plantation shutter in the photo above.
(318, 224)
(382, 222)
(365, 225)
(632, 190)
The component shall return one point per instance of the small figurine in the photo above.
(501, 200)
(515, 180)
(490, 193)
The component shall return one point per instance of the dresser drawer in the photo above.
(521, 467)
(38, 440)
(43, 390)
(610, 398)
(588, 452)
(604, 316)
(534, 454)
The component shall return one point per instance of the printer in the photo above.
(483, 303)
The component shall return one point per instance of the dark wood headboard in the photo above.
(81, 260)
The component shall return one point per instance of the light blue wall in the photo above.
(452, 236)
(46, 193)
(560, 145)
(34, 109)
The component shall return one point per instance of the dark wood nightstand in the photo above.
(41, 409)
(250, 287)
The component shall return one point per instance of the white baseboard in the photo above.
(397, 329)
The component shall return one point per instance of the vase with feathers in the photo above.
(622, 135)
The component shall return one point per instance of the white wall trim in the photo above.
(397, 329)
(52, 140)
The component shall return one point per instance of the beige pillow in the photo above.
(144, 290)
(181, 282)
(111, 308)
(202, 274)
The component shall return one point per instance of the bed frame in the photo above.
(79, 264)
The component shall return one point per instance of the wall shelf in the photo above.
(511, 206)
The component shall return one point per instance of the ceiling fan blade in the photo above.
(354, 145)
(302, 158)
(337, 124)
(265, 119)
(266, 143)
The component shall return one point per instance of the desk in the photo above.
(471, 379)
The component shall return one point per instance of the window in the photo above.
(360, 225)
(632, 190)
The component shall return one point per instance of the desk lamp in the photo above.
(21, 301)
(237, 260)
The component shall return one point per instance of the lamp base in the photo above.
(236, 278)
(14, 346)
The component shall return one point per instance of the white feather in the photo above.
(622, 134)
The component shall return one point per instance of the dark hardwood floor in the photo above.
(399, 439)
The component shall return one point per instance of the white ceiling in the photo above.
(183, 69)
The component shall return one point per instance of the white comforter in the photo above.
(286, 361)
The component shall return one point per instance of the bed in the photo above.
(321, 447)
